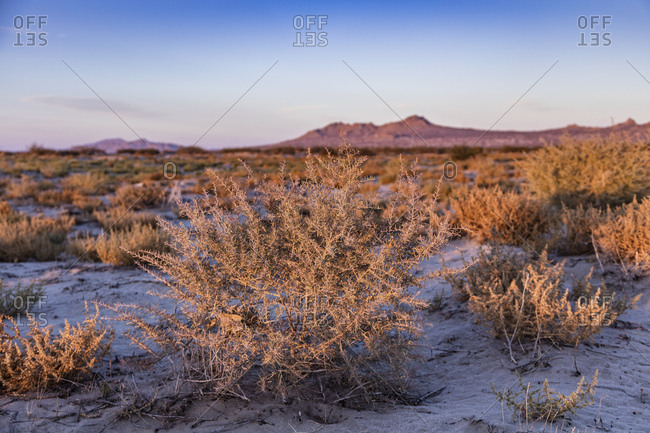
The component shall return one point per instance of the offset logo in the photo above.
(170, 170)
(309, 30)
(594, 30)
(30, 30)
(595, 303)
(449, 170)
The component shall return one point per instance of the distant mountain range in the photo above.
(414, 131)
(113, 145)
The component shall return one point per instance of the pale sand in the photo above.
(457, 355)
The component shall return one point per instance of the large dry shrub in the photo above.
(41, 360)
(304, 279)
(23, 237)
(624, 236)
(598, 171)
(505, 217)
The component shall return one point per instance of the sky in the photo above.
(241, 73)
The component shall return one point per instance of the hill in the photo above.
(416, 131)
(113, 145)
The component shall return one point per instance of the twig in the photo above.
(430, 394)
(233, 425)
(593, 243)
(534, 362)
(514, 332)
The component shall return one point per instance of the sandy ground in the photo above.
(459, 362)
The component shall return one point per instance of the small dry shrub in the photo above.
(55, 197)
(220, 195)
(3, 183)
(85, 183)
(546, 404)
(7, 212)
(496, 267)
(374, 167)
(490, 172)
(114, 246)
(391, 171)
(88, 204)
(369, 188)
(39, 360)
(77, 190)
(54, 168)
(503, 217)
(202, 183)
(26, 187)
(5, 208)
(519, 298)
(624, 236)
(118, 218)
(38, 237)
(117, 246)
(82, 246)
(138, 197)
(443, 190)
(305, 280)
(598, 171)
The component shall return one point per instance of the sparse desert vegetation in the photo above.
(598, 171)
(314, 278)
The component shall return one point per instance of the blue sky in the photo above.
(170, 69)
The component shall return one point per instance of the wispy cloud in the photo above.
(86, 104)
